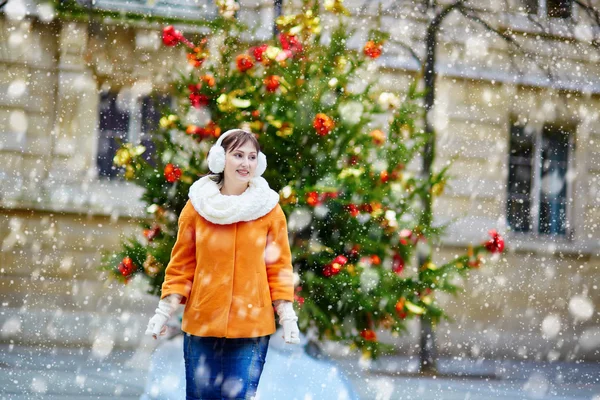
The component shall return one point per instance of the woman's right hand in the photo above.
(157, 326)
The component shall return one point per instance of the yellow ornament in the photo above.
(341, 63)
(377, 209)
(232, 101)
(387, 321)
(129, 172)
(122, 157)
(127, 153)
(312, 23)
(151, 266)
(256, 126)
(292, 199)
(413, 308)
(286, 130)
(438, 188)
(285, 21)
(405, 131)
(351, 269)
(227, 8)
(336, 7)
(168, 121)
(347, 172)
(429, 265)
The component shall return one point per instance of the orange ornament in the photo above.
(400, 308)
(323, 124)
(378, 136)
(384, 176)
(373, 50)
(208, 79)
(197, 56)
(375, 260)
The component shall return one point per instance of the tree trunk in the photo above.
(427, 356)
(427, 361)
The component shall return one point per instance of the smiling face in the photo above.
(240, 163)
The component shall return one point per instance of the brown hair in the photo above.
(231, 142)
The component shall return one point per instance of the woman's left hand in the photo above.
(291, 333)
(287, 319)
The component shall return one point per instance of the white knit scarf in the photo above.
(222, 209)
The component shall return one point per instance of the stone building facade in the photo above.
(525, 152)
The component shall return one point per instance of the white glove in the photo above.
(287, 319)
(158, 323)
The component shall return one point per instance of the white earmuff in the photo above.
(216, 157)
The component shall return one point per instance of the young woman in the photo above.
(230, 261)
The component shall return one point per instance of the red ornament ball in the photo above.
(198, 100)
(171, 36)
(397, 264)
(290, 43)
(126, 266)
(353, 209)
(312, 199)
(496, 243)
(259, 51)
(272, 83)
(244, 62)
(369, 335)
(152, 233)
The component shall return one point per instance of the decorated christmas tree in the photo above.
(337, 149)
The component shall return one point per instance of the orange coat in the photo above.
(229, 274)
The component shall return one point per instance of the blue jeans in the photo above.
(221, 368)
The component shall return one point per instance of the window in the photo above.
(559, 8)
(537, 184)
(529, 6)
(549, 8)
(114, 128)
(126, 121)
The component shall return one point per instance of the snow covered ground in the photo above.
(391, 378)
(74, 373)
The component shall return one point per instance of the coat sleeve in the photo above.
(278, 259)
(179, 274)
